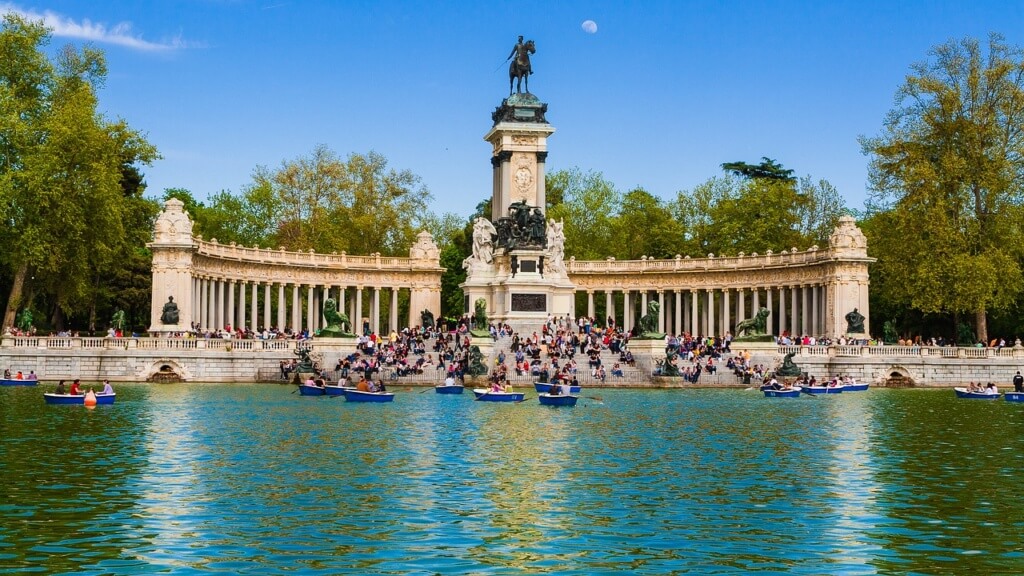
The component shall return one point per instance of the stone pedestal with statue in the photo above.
(518, 262)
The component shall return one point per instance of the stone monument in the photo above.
(517, 266)
(172, 270)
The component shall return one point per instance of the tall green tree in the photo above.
(768, 169)
(646, 227)
(61, 167)
(587, 203)
(949, 169)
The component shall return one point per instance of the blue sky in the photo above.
(658, 97)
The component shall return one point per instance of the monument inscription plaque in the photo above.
(529, 302)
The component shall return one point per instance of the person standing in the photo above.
(1018, 382)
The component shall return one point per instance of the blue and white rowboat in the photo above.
(352, 395)
(784, 393)
(964, 393)
(558, 399)
(485, 395)
(1014, 396)
(52, 398)
(546, 387)
(453, 389)
(307, 390)
(16, 382)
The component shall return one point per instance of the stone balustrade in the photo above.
(685, 263)
(374, 261)
(102, 343)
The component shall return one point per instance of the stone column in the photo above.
(195, 299)
(661, 311)
(309, 308)
(201, 316)
(627, 312)
(240, 324)
(693, 313)
(357, 318)
(229, 316)
(794, 326)
(541, 191)
(816, 328)
(218, 304)
(281, 307)
(266, 306)
(804, 309)
(771, 313)
(325, 295)
(393, 313)
(678, 309)
(590, 303)
(296, 323)
(741, 313)
(725, 309)
(711, 313)
(375, 310)
(254, 307)
(643, 303)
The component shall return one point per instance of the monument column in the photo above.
(172, 268)
(266, 306)
(661, 311)
(794, 321)
(590, 303)
(375, 310)
(804, 309)
(771, 313)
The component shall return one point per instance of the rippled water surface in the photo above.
(191, 478)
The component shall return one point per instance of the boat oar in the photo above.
(294, 391)
(427, 390)
(523, 400)
(598, 398)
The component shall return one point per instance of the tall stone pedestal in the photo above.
(517, 271)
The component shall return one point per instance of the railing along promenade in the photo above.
(712, 262)
(146, 343)
(374, 261)
(106, 343)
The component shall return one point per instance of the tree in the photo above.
(61, 169)
(588, 205)
(768, 169)
(645, 227)
(949, 168)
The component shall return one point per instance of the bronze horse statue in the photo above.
(519, 69)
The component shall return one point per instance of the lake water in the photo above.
(192, 478)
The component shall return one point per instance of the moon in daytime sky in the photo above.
(589, 26)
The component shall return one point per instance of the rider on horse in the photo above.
(520, 68)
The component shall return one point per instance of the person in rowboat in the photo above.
(60, 388)
(75, 388)
(107, 388)
(991, 388)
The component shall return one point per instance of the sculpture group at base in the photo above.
(647, 327)
(169, 315)
(338, 324)
(754, 329)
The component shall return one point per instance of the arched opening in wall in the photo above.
(899, 378)
(164, 375)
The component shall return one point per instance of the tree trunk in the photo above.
(57, 320)
(14, 300)
(981, 326)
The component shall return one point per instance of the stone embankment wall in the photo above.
(199, 360)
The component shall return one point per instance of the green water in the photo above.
(192, 479)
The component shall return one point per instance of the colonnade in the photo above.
(800, 309)
(218, 303)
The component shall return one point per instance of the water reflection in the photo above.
(194, 478)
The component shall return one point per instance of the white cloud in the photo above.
(119, 34)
